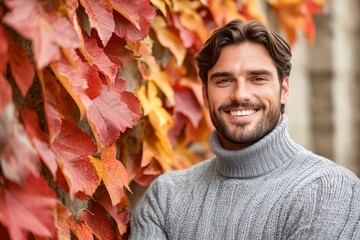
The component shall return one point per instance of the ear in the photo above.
(205, 97)
(285, 88)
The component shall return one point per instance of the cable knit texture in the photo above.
(274, 189)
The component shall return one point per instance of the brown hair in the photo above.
(237, 31)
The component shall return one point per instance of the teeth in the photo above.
(242, 112)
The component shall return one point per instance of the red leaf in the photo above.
(31, 123)
(118, 212)
(17, 156)
(125, 29)
(187, 104)
(5, 98)
(112, 114)
(28, 207)
(80, 80)
(134, 19)
(116, 51)
(3, 50)
(52, 103)
(115, 175)
(47, 30)
(72, 148)
(21, 67)
(100, 225)
(100, 17)
(97, 57)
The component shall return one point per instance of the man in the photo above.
(260, 184)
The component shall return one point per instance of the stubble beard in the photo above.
(243, 134)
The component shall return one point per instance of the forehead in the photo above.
(244, 56)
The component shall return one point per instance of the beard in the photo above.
(244, 134)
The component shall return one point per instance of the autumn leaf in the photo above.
(47, 29)
(21, 67)
(113, 173)
(28, 207)
(169, 39)
(4, 44)
(111, 114)
(139, 13)
(17, 155)
(118, 212)
(72, 148)
(96, 56)
(116, 51)
(97, 220)
(39, 141)
(187, 104)
(80, 229)
(62, 215)
(76, 76)
(100, 17)
(53, 107)
(5, 99)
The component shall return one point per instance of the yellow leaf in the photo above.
(193, 21)
(162, 80)
(157, 144)
(98, 166)
(161, 5)
(169, 39)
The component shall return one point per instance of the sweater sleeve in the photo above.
(147, 218)
(328, 207)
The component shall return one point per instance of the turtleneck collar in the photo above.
(260, 158)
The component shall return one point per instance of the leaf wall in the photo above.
(98, 97)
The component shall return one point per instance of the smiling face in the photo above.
(244, 95)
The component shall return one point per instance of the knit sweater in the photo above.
(273, 189)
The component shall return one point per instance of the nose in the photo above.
(240, 92)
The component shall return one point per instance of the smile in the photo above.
(241, 113)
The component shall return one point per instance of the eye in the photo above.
(259, 79)
(223, 81)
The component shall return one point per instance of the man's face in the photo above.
(244, 94)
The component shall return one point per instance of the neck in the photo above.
(262, 157)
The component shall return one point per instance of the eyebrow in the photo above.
(260, 72)
(255, 72)
(220, 74)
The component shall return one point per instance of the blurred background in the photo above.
(324, 101)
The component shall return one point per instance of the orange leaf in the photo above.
(44, 26)
(169, 39)
(113, 174)
(80, 229)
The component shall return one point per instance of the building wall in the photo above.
(324, 100)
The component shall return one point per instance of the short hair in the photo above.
(237, 31)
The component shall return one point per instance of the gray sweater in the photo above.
(274, 189)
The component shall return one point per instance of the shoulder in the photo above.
(317, 173)
(322, 167)
(195, 173)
